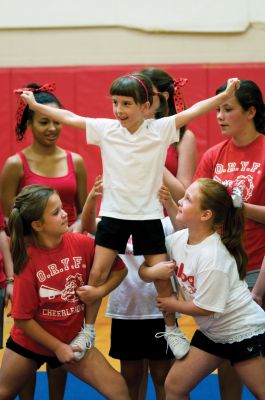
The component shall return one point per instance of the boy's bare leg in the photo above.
(163, 287)
(99, 273)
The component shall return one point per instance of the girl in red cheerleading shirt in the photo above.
(50, 265)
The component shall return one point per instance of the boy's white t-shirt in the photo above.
(134, 298)
(132, 165)
(207, 274)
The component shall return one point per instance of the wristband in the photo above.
(10, 280)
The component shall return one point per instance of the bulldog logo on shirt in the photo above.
(243, 182)
(68, 293)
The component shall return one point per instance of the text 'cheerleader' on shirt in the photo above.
(132, 165)
(64, 185)
(207, 274)
(243, 167)
(45, 290)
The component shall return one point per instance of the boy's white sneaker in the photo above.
(177, 342)
(85, 339)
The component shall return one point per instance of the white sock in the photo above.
(90, 327)
(170, 328)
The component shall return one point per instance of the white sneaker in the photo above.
(177, 342)
(84, 339)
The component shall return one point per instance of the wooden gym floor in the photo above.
(186, 323)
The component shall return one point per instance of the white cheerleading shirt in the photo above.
(132, 165)
(134, 298)
(207, 274)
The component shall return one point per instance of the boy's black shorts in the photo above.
(148, 236)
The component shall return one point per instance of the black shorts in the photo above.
(148, 236)
(38, 358)
(234, 352)
(135, 340)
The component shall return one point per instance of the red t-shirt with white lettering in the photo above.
(245, 168)
(46, 290)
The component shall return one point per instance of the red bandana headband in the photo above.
(178, 97)
(141, 83)
(48, 87)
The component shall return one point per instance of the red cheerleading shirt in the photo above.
(243, 167)
(46, 290)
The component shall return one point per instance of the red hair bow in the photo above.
(47, 87)
(178, 97)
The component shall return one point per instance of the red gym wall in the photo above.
(85, 90)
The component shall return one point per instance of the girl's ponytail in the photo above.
(17, 241)
(232, 238)
(228, 219)
(29, 206)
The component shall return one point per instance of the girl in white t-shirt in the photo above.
(210, 268)
(133, 155)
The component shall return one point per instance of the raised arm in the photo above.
(187, 161)
(170, 205)
(57, 114)
(204, 106)
(88, 217)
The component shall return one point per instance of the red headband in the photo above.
(141, 83)
(178, 97)
(48, 87)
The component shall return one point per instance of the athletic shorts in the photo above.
(2, 308)
(148, 236)
(135, 340)
(234, 352)
(38, 358)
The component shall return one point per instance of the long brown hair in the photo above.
(228, 220)
(29, 206)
